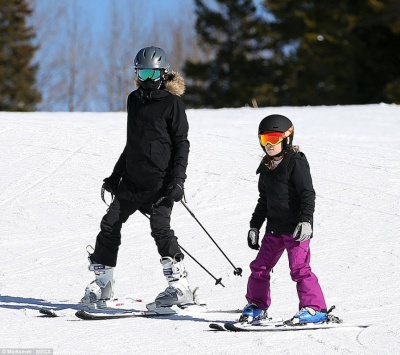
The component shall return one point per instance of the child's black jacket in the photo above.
(287, 196)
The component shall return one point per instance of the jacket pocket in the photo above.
(160, 154)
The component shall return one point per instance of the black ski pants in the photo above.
(109, 238)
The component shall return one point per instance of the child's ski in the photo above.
(216, 326)
(245, 327)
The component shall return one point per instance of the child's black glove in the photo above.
(177, 191)
(111, 183)
(252, 238)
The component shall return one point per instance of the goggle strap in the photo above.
(279, 136)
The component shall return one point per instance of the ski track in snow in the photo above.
(53, 165)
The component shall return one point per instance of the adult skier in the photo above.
(151, 166)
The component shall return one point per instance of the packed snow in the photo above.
(52, 167)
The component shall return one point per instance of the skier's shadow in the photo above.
(187, 317)
(11, 302)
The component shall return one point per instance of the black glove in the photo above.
(111, 183)
(252, 238)
(177, 191)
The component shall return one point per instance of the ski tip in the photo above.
(226, 326)
(87, 316)
(233, 328)
(216, 327)
(83, 315)
(48, 312)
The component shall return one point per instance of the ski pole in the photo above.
(238, 271)
(217, 281)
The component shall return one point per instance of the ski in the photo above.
(54, 313)
(85, 315)
(269, 322)
(157, 312)
(279, 327)
(188, 310)
(195, 309)
(217, 327)
(63, 311)
(127, 307)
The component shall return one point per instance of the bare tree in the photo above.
(122, 42)
(46, 22)
(127, 36)
(67, 77)
(71, 59)
(81, 73)
(174, 32)
(85, 70)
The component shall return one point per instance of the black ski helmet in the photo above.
(278, 123)
(151, 58)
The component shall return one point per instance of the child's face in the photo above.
(273, 150)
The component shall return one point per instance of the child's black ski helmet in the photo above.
(278, 123)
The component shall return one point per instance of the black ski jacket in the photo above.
(157, 145)
(287, 196)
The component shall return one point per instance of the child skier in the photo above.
(286, 201)
(151, 166)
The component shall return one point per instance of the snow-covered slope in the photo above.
(52, 166)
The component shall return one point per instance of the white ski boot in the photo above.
(178, 291)
(101, 290)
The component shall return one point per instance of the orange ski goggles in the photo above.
(274, 138)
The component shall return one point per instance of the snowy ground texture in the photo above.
(52, 166)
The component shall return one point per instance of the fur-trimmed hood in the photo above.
(174, 83)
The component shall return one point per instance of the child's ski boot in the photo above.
(252, 314)
(309, 315)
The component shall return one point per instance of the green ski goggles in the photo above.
(153, 74)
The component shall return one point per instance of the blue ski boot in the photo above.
(309, 315)
(252, 314)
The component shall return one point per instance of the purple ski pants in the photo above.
(272, 247)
